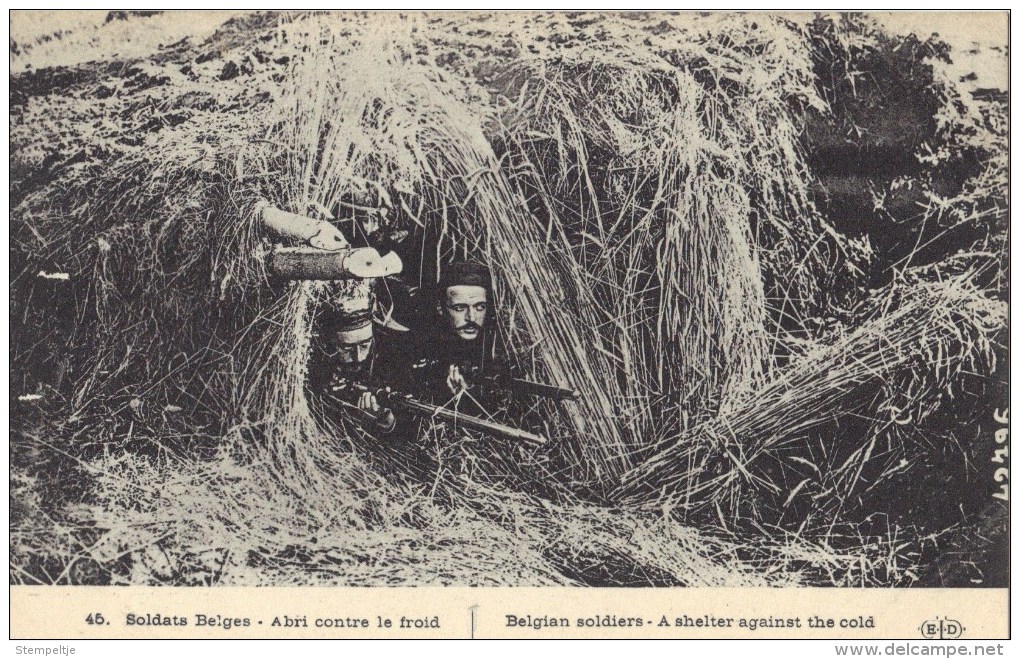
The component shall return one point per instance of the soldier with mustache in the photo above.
(347, 350)
(461, 360)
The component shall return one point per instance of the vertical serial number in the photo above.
(1000, 456)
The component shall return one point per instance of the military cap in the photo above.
(339, 320)
(465, 274)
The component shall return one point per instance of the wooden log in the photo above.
(326, 265)
(302, 229)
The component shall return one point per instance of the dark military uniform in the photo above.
(487, 375)
(392, 449)
(334, 377)
(479, 360)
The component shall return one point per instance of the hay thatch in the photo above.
(640, 189)
(896, 367)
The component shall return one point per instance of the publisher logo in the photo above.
(941, 629)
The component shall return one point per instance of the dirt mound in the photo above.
(643, 188)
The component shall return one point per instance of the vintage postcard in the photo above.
(488, 324)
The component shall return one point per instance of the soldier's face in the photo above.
(464, 309)
(354, 346)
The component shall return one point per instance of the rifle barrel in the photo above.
(542, 389)
(466, 420)
(410, 404)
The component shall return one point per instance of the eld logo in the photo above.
(941, 629)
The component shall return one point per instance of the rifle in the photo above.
(406, 402)
(518, 385)
(522, 386)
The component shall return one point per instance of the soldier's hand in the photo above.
(386, 420)
(455, 381)
(383, 417)
(368, 403)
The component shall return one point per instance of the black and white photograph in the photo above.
(584, 299)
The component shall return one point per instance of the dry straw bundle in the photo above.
(638, 187)
(917, 348)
